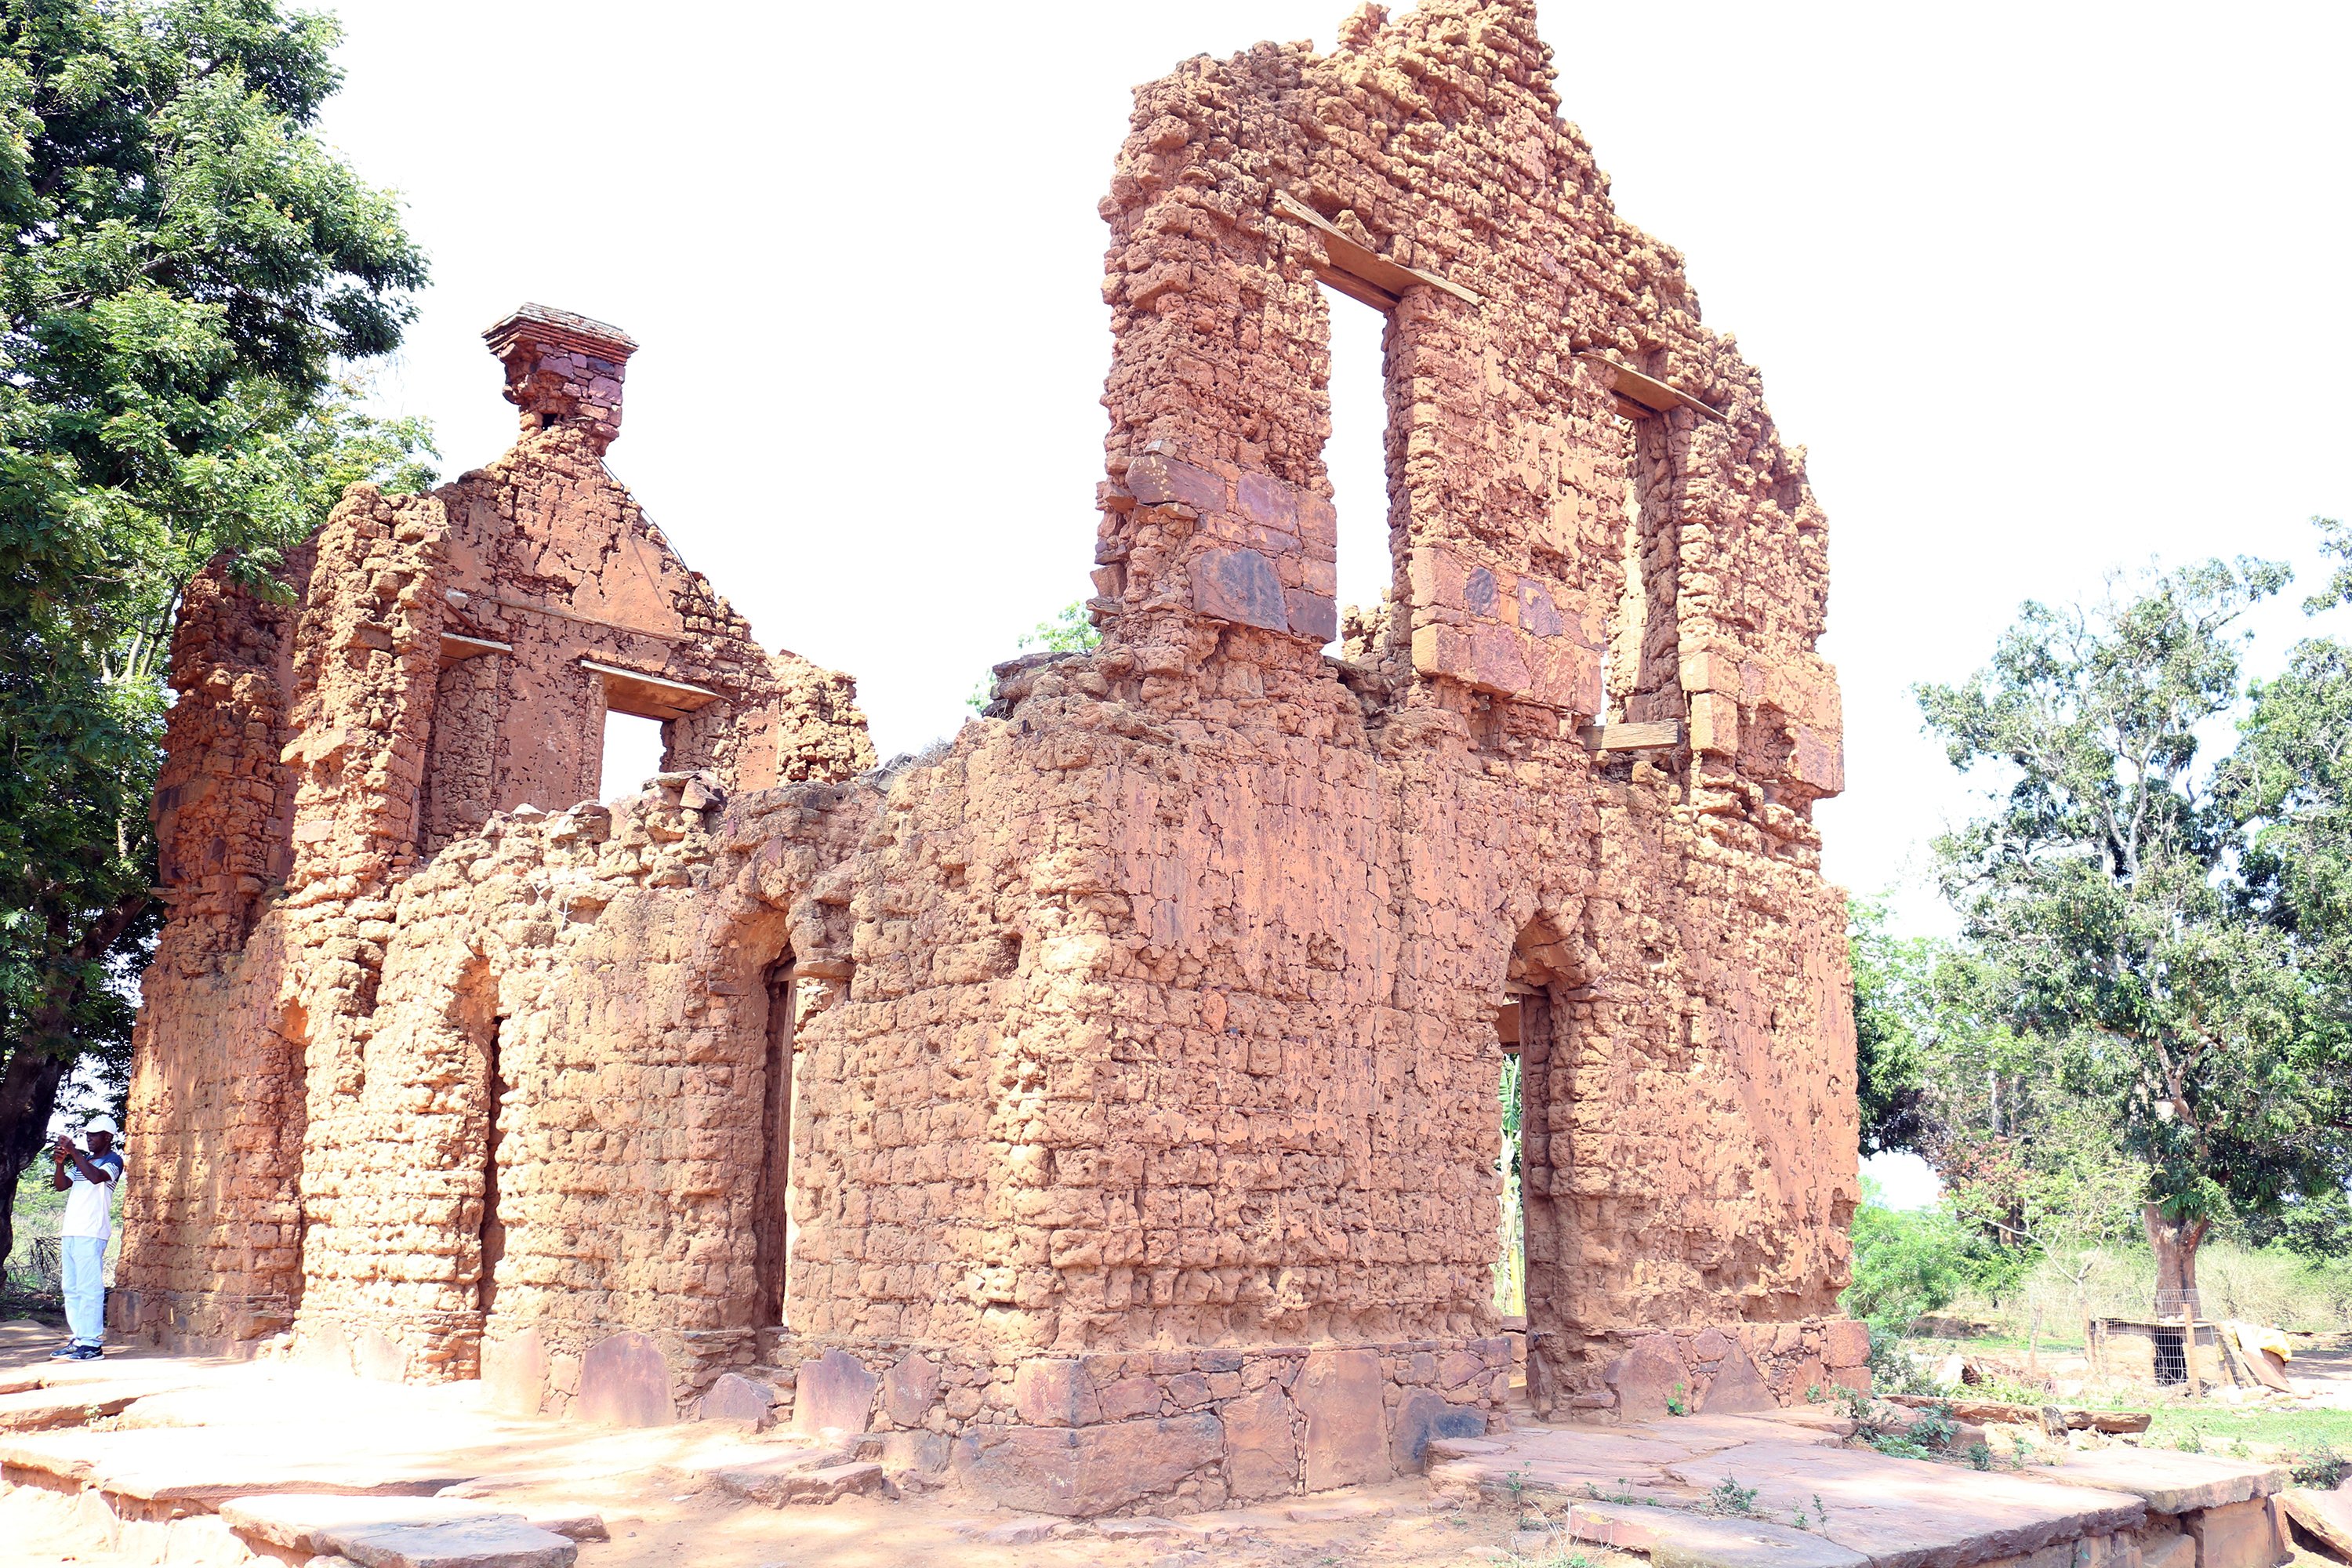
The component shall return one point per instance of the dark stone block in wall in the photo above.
(909, 1389)
(1261, 1453)
(624, 1382)
(1055, 1394)
(514, 1373)
(1268, 502)
(1312, 615)
(1646, 1376)
(1156, 481)
(734, 1397)
(1087, 1471)
(834, 1390)
(1239, 585)
(1537, 614)
(1424, 1414)
(1346, 1441)
(1737, 1387)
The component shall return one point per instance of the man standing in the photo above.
(88, 1180)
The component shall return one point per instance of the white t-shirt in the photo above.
(90, 1204)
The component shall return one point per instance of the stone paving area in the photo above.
(181, 1460)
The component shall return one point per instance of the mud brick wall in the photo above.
(304, 1138)
(1130, 1058)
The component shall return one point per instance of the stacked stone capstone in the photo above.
(1102, 1108)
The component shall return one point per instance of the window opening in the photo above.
(772, 1227)
(633, 754)
(1356, 457)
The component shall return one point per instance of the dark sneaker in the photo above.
(88, 1352)
(65, 1351)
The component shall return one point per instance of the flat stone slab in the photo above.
(399, 1533)
(1579, 1461)
(780, 1474)
(1813, 1417)
(1027, 1529)
(2170, 1481)
(1985, 1411)
(207, 1466)
(1674, 1539)
(1708, 1434)
(1909, 1513)
(1345, 1511)
(42, 1409)
(2328, 1515)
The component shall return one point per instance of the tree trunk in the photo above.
(28, 1094)
(2174, 1243)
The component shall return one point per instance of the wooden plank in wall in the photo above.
(1632, 386)
(1634, 737)
(1375, 278)
(649, 696)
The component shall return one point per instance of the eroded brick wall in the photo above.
(1113, 1087)
(317, 1046)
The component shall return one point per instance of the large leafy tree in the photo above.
(2102, 895)
(185, 271)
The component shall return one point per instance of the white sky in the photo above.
(2045, 289)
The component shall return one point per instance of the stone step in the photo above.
(45, 1409)
(1882, 1512)
(2170, 1481)
(1911, 1513)
(779, 1472)
(205, 1465)
(1674, 1539)
(399, 1533)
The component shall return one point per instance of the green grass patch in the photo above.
(2218, 1428)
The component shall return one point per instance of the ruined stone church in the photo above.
(1101, 1109)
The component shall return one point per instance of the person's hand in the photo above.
(65, 1149)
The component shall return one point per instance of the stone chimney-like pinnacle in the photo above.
(563, 369)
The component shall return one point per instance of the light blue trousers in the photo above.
(85, 1283)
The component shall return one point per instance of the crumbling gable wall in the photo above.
(450, 657)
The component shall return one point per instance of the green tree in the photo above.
(2098, 893)
(186, 267)
(1071, 631)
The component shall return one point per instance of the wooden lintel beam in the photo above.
(1358, 264)
(1632, 386)
(455, 648)
(649, 696)
(1634, 737)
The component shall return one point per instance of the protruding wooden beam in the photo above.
(1634, 737)
(455, 648)
(1648, 391)
(1362, 273)
(649, 696)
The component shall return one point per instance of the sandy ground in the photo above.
(641, 1483)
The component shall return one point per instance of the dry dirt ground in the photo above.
(280, 1427)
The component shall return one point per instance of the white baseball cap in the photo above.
(101, 1124)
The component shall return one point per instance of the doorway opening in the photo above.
(494, 1229)
(772, 1227)
(1356, 457)
(1511, 1242)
